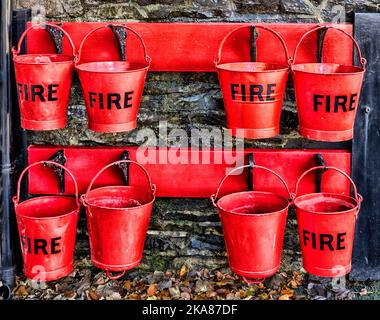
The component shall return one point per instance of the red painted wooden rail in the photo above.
(188, 172)
(193, 46)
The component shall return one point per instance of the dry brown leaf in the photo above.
(152, 290)
(293, 284)
(363, 292)
(93, 295)
(287, 291)
(69, 294)
(127, 285)
(183, 271)
(284, 297)
(134, 296)
(211, 294)
(21, 291)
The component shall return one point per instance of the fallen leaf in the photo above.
(183, 271)
(134, 296)
(152, 290)
(174, 292)
(127, 285)
(69, 294)
(293, 284)
(287, 292)
(21, 291)
(363, 292)
(93, 295)
(185, 296)
(284, 297)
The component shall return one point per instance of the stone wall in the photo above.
(188, 230)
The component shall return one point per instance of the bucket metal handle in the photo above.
(116, 276)
(362, 60)
(214, 197)
(16, 199)
(357, 196)
(256, 26)
(40, 26)
(78, 57)
(152, 186)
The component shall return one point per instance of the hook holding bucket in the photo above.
(219, 57)
(362, 60)
(17, 51)
(214, 197)
(16, 199)
(112, 25)
(119, 162)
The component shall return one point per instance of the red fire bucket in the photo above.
(326, 226)
(43, 84)
(253, 225)
(47, 228)
(327, 95)
(117, 219)
(253, 93)
(112, 89)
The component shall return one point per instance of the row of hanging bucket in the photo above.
(327, 94)
(254, 222)
(112, 89)
(117, 222)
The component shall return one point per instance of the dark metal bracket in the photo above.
(57, 36)
(321, 39)
(254, 37)
(121, 35)
(318, 178)
(251, 162)
(60, 158)
(125, 166)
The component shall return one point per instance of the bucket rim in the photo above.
(120, 187)
(328, 194)
(257, 215)
(79, 67)
(360, 69)
(17, 59)
(76, 210)
(282, 67)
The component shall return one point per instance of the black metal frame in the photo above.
(14, 138)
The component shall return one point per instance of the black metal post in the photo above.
(7, 267)
(366, 153)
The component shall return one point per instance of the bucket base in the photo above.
(117, 127)
(50, 275)
(112, 267)
(254, 133)
(330, 136)
(328, 273)
(259, 275)
(43, 125)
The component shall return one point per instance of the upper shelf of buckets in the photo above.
(252, 62)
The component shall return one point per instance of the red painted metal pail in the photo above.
(47, 228)
(327, 96)
(253, 225)
(112, 89)
(326, 226)
(253, 93)
(117, 219)
(43, 84)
